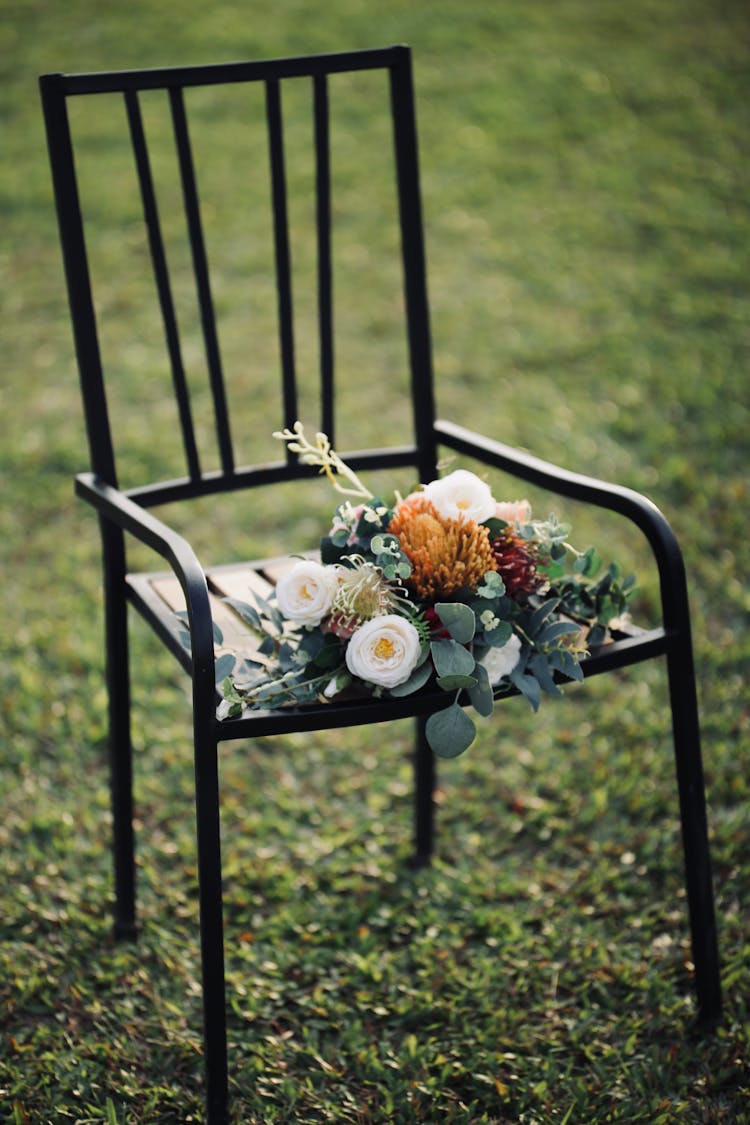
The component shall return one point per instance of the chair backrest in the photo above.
(136, 184)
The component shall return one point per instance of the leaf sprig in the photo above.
(325, 457)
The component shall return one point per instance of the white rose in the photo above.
(500, 662)
(384, 651)
(306, 592)
(461, 495)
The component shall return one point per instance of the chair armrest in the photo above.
(117, 507)
(617, 498)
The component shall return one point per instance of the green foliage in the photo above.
(596, 602)
(451, 731)
(585, 186)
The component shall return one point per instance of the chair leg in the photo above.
(686, 732)
(211, 926)
(120, 750)
(424, 790)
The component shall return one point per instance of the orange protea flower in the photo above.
(516, 562)
(446, 555)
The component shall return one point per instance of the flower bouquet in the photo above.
(444, 588)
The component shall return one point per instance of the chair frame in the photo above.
(124, 512)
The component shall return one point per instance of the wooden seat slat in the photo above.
(238, 581)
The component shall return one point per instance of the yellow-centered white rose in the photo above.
(306, 592)
(461, 495)
(384, 651)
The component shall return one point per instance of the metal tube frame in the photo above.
(126, 512)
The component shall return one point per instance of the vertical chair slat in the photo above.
(413, 256)
(325, 273)
(282, 250)
(200, 265)
(161, 275)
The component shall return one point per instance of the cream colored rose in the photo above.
(306, 592)
(384, 651)
(513, 511)
(500, 662)
(461, 495)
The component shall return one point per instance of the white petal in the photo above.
(461, 495)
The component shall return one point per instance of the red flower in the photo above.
(517, 560)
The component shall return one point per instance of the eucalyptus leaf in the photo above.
(597, 635)
(451, 659)
(450, 732)
(481, 694)
(456, 683)
(248, 614)
(556, 631)
(329, 656)
(588, 563)
(528, 685)
(565, 662)
(224, 666)
(246, 671)
(384, 544)
(458, 619)
(311, 644)
(498, 636)
(417, 679)
(492, 586)
(572, 668)
(543, 673)
(540, 615)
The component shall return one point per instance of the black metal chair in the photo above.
(123, 512)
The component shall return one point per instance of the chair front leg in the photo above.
(686, 733)
(211, 920)
(120, 749)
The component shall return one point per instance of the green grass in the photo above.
(585, 170)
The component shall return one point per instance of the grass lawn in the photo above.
(585, 179)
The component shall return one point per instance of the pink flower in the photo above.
(513, 511)
(346, 519)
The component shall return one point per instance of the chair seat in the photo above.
(159, 598)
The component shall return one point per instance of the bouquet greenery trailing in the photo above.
(445, 587)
